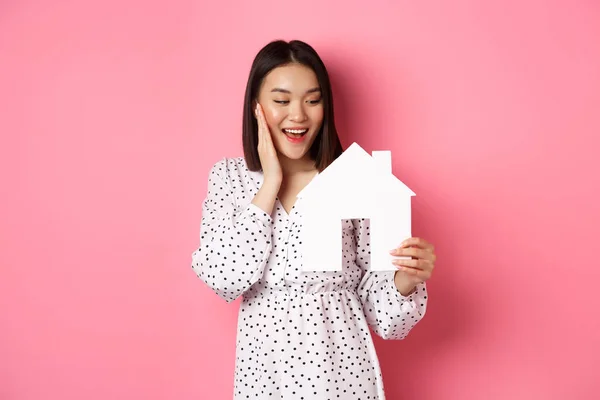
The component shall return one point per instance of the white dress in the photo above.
(301, 335)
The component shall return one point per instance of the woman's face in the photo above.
(291, 99)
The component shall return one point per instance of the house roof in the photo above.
(355, 168)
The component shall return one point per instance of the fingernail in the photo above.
(393, 251)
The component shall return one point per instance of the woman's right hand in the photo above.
(266, 151)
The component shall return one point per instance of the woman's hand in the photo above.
(266, 151)
(415, 270)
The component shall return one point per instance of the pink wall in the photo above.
(112, 113)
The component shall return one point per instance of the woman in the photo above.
(301, 335)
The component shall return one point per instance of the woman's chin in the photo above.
(297, 153)
(294, 151)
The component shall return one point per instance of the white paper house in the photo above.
(356, 185)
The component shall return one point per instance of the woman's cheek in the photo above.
(272, 117)
(318, 115)
(276, 116)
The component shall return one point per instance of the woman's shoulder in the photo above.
(231, 163)
(231, 167)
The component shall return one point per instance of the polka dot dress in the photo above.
(301, 335)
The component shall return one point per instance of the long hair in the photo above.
(326, 147)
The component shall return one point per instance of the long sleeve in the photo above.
(235, 241)
(390, 314)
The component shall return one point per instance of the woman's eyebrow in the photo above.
(313, 90)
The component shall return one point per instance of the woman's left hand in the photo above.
(415, 270)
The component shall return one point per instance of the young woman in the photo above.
(301, 335)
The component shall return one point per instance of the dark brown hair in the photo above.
(326, 147)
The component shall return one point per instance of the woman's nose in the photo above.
(297, 113)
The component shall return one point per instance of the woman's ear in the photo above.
(254, 103)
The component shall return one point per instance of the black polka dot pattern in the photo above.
(301, 335)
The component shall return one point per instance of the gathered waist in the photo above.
(299, 292)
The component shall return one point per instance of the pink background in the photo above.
(112, 112)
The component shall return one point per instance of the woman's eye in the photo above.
(287, 101)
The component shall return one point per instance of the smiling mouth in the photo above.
(295, 133)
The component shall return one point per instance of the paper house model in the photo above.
(356, 185)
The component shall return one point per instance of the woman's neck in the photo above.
(292, 167)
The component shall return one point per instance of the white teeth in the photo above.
(296, 131)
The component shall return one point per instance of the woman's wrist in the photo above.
(404, 286)
(266, 196)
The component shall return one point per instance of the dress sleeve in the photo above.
(235, 243)
(390, 314)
